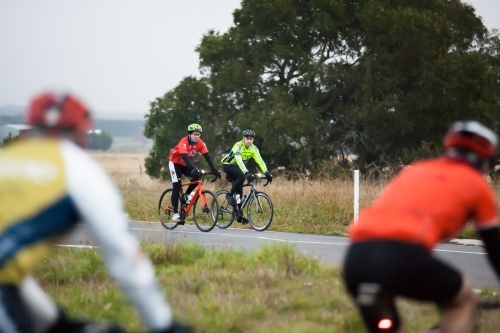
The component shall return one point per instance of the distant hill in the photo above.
(11, 110)
(133, 128)
(10, 119)
(117, 124)
(119, 115)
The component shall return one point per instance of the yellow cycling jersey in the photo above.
(34, 205)
(46, 185)
(239, 155)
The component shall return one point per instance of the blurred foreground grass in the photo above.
(271, 290)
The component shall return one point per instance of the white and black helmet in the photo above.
(249, 132)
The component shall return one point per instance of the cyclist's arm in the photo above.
(237, 156)
(43, 309)
(186, 160)
(491, 240)
(486, 223)
(258, 159)
(99, 203)
(209, 160)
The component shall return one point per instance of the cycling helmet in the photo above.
(58, 112)
(473, 136)
(194, 128)
(249, 132)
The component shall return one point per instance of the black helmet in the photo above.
(249, 132)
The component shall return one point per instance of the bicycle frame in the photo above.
(185, 209)
(199, 188)
(252, 192)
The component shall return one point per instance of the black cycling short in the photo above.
(235, 176)
(381, 270)
(14, 315)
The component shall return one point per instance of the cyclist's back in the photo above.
(434, 198)
(391, 241)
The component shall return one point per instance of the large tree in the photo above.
(322, 77)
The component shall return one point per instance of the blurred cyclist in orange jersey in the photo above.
(392, 240)
(47, 185)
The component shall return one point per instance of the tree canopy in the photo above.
(101, 140)
(323, 78)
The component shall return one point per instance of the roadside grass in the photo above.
(273, 289)
(302, 206)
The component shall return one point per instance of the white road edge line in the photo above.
(284, 240)
(77, 246)
(241, 236)
(244, 236)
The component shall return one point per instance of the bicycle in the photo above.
(260, 208)
(201, 203)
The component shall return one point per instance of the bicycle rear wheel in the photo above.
(205, 211)
(260, 211)
(166, 210)
(226, 214)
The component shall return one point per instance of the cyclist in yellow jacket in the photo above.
(47, 185)
(233, 164)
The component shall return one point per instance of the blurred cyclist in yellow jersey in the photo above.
(47, 185)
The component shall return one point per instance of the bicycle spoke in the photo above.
(225, 215)
(165, 210)
(203, 213)
(260, 211)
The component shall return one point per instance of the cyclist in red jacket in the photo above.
(180, 164)
(430, 202)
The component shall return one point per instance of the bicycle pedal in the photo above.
(181, 222)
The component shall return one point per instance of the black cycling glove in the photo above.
(269, 177)
(195, 173)
(248, 176)
(217, 173)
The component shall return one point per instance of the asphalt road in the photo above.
(328, 249)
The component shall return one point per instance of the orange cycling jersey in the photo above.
(185, 147)
(427, 203)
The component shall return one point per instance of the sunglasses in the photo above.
(249, 136)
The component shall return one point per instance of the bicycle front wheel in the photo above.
(225, 216)
(166, 210)
(260, 211)
(205, 211)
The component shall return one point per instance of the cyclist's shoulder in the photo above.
(31, 156)
(200, 143)
(82, 167)
(183, 140)
(254, 147)
(32, 146)
(239, 145)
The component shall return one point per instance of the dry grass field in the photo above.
(320, 207)
(303, 206)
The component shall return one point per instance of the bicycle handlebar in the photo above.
(256, 176)
(206, 173)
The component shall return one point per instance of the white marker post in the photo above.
(356, 195)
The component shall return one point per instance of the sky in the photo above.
(116, 55)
